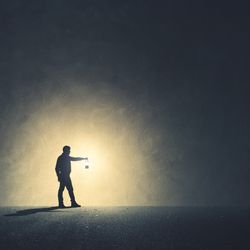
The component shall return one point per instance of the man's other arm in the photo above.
(58, 170)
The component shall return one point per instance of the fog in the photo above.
(156, 96)
(95, 123)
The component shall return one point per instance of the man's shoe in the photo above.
(74, 204)
(61, 206)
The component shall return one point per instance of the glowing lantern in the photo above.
(86, 163)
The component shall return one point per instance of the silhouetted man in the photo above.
(63, 169)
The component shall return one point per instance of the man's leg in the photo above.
(70, 189)
(60, 194)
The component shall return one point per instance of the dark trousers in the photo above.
(65, 182)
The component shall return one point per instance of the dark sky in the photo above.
(182, 65)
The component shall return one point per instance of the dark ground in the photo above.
(125, 228)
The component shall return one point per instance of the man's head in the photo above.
(66, 150)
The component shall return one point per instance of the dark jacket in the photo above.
(63, 164)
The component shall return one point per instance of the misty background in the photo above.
(156, 93)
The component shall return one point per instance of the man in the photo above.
(63, 169)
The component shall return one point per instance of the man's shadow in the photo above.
(33, 211)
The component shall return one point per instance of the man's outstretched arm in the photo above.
(78, 158)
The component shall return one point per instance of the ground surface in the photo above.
(124, 228)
